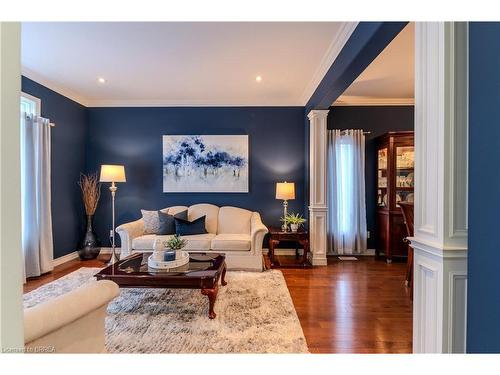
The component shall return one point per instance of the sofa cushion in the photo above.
(145, 242)
(231, 241)
(195, 242)
(167, 221)
(199, 242)
(234, 220)
(210, 211)
(186, 227)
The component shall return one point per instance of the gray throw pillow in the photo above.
(151, 221)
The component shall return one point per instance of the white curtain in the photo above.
(37, 241)
(346, 192)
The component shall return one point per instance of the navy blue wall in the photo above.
(133, 137)
(483, 291)
(68, 160)
(378, 120)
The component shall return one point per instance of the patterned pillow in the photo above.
(151, 221)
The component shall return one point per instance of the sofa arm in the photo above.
(258, 231)
(63, 311)
(127, 233)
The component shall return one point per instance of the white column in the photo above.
(317, 185)
(11, 313)
(441, 148)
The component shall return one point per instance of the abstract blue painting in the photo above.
(205, 163)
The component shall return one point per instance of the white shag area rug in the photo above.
(255, 314)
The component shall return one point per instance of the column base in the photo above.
(317, 235)
(316, 261)
(440, 298)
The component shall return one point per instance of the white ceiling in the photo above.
(389, 79)
(182, 63)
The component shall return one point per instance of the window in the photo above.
(30, 104)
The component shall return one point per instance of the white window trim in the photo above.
(38, 102)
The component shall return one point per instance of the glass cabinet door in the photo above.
(382, 178)
(405, 164)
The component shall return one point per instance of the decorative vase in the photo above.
(169, 255)
(294, 227)
(90, 246)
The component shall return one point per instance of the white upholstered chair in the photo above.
(71, 323)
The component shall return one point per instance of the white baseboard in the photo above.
(367, 252)
(284, 251)
(290, 251)
(107, 250)
(74, 255)
(65, 258)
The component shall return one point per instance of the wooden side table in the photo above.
(300, 237)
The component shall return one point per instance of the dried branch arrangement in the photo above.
(91, 192)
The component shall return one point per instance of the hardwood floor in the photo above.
(358, 306)
(62, 270)
(347, 307)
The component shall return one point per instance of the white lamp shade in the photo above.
(285, 190)
(112, 173)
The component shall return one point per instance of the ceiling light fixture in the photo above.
(258, 79)
(101, 80)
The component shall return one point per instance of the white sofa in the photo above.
(71, 323)
(236, 232)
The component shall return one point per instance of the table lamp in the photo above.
(285, 191)
(112, 173)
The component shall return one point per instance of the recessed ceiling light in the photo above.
(258, 79)
(101, 80)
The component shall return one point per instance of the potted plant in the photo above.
(89, 246)
(295, 221)
(172, 245)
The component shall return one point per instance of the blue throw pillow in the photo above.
(167, 222)
(188, 228)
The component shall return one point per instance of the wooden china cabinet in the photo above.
(395, 183)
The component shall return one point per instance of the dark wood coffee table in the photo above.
(202, 272)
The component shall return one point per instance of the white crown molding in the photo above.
(370, 101)
(188, 103)
(331, 54)
(38, 78)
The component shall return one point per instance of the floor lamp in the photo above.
(112, 173)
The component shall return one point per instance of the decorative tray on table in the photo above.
(181, 258)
